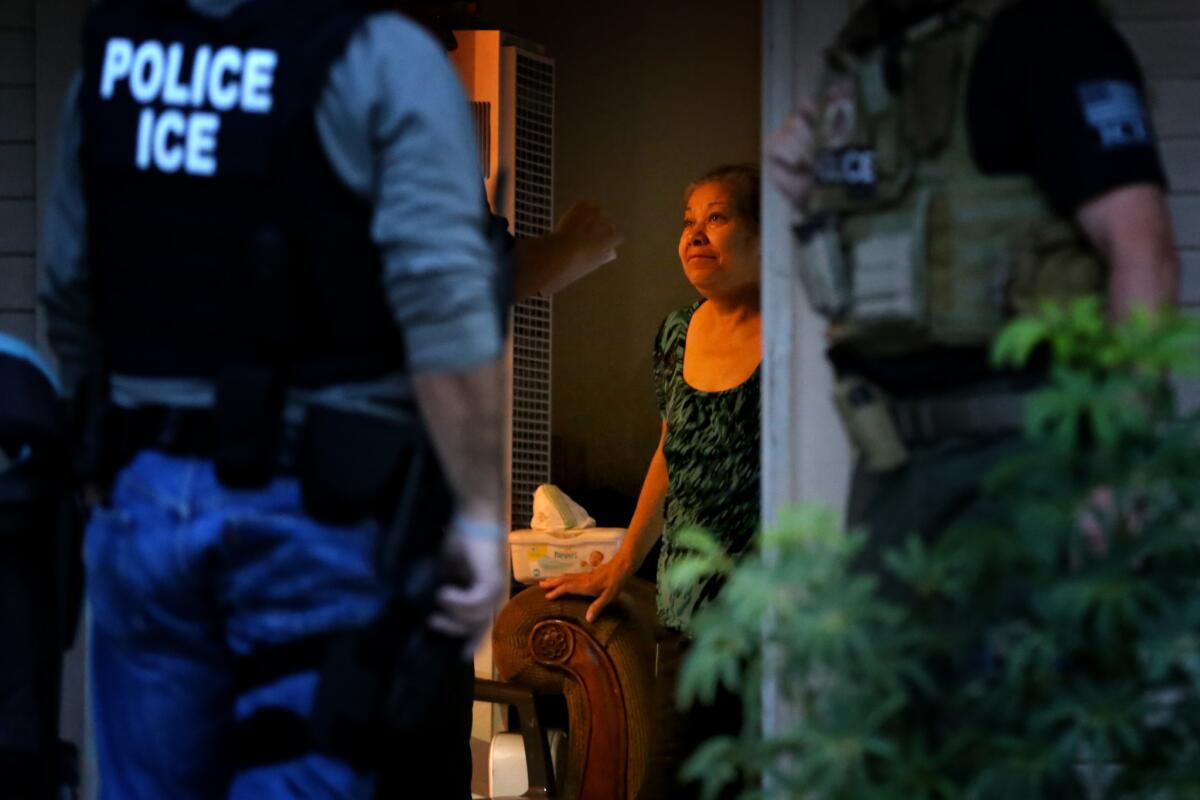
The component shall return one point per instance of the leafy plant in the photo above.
(1054, 653)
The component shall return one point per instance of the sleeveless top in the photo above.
(713, 465)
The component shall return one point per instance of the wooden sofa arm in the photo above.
(605, 671)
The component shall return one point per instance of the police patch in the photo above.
(1115, 109)
(846, 166)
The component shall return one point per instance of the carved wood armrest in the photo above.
(605, 672)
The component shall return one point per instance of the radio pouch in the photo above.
(389, 681)
(248, 423)
(866, 415)
(822, 268)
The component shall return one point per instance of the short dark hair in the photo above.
(743, 182)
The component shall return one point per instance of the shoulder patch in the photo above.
(1116, 110)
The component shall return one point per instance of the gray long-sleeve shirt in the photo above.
(395, 126)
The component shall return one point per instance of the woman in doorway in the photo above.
(705, 471)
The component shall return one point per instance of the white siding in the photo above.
(805, 456)
(39, 50)
(16, 171)
(1174, 101)
(1167, 48)
(1165, 34)
(1182, 159)
(18, 203)
(1156, 9)
(1191, 277)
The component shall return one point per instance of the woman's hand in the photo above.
(604, 583)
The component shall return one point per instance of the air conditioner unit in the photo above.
(510, 84)
(511, 88)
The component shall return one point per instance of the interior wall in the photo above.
(648, 96)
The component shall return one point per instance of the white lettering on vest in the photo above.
(219, 80)
(224, 96)
(859, 166)
(849, 166)
(145, 132)
(173, 140)
(199, 71)
(174, 92)
(146, 80)
(118, 60)
(168, 141)
(202, 143)
(257, 79)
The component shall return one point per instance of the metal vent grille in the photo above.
(533, 180)
(481, 113)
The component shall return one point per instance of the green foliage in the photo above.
(1053, 653)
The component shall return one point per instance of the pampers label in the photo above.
(183, 95)
(545, 561)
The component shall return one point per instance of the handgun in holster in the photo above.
(384, 683)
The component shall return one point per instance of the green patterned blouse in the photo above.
(713, 464)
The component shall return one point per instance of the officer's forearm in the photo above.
(1131, 228)
(464, 414)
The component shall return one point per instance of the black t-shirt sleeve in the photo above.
(1056, 93)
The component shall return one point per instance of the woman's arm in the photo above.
(606, 581)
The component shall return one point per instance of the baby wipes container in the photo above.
(537, 555)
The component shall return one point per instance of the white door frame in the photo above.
(804, 453)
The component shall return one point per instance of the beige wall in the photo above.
(649, 94)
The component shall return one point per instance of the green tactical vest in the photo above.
(908, 244)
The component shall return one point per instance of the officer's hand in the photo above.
(604, 583)
(465, 610)
(790, 151)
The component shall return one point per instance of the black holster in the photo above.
(352, 466)
(96, 456)
(383, 684)
(248, 426)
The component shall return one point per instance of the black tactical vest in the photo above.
(218, 233)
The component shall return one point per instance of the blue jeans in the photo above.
(184, 575)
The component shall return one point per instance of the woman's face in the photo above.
(718, 248)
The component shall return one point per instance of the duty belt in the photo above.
(181, 431)
(926, 419)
